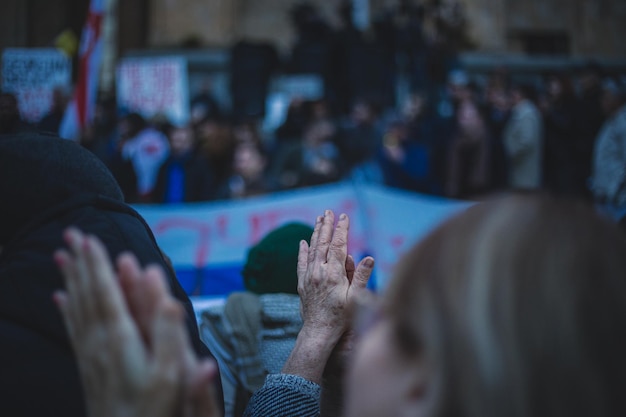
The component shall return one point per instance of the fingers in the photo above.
(350, 267)
(303, 259)
(107, 295)
(314, 238)
(61, 301)
(202, 394)
(143, 290)
(363, 273)
(338, 250)
(80, 284)
(71, 313)
(325, 237)
(129, 273)
(154, 291)
(170, 343)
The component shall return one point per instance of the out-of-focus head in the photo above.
(60, 98)
(40, 172)
(130, 125)
(9, 113)
(363, 112)
(523, 91)
(181, 140)
(515, 307)
(459, 85)
(414, 106)
(246, 131)
(270, 263)
(215, 139)
(613, 95)
(590, 77)
(249, 162)
(319, 132)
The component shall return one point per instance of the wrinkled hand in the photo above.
(328, 282)
(129, 367)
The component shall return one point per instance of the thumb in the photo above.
(363, 273)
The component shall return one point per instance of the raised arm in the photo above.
(326, 291)
(129, 367)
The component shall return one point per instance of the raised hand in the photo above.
(328, 281)
(129, 367)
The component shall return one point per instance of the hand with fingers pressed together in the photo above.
(129, 338)
(328, 282)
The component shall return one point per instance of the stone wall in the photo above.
(594, 26)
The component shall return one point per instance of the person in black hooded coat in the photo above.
(46, 185)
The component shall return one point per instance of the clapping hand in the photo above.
(133, 352)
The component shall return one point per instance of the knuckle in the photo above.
(340, 241)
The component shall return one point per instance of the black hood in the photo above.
(39, 172)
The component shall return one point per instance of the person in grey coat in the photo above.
(608, 182)
(523, 140)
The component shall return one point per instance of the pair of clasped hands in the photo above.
(128, 331)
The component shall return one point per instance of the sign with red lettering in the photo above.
(32, 75)
(154, 86)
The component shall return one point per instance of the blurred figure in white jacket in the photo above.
(523, 140)
(608, 182)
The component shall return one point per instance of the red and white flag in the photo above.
(80, 110)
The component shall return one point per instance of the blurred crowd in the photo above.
(397, 109)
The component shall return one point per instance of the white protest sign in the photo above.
(32, 75)
(154, 86)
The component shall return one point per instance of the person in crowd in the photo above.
(346, 41)
(608, 181)
(49, 184)
(217, 145)
(312, 52)
(409, 149)
(523, 140)
(204, 105)
(10, 119)
(248, 175)
(314, 161)
(256, 329)
(103, 138)
(587, 124)
(483, 317)
(100, 136)
(247, 131)
(146, 148)
(559, 149)
(468, 152)
(359, 138)
(185, 175)
(51, 121)
(497, 109)
(297, 118)
(251, 67)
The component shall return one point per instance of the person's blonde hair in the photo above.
(520, 305)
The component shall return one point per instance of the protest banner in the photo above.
(154, 86)
(208, 243)
(32, 75)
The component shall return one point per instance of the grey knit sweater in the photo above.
(285, 395)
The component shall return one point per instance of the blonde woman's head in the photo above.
(517, 307)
